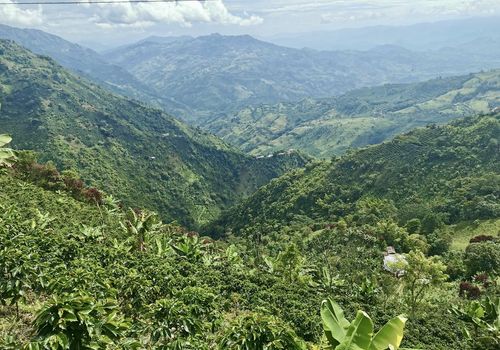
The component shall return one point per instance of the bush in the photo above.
(482, 257)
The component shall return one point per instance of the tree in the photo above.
(482, 257)
(16, 275)
(289, 263)
(7, 156)
(420, 276)
(358, 334)
(138, 224)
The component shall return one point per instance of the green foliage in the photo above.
(328, 127)
(421, 274)
(252, 331)
(79, 322)
(6, 154)
(484, 317)
(482, 257)
(115, 143)
(358, 334)
(438, 175)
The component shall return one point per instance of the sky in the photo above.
(111, 24)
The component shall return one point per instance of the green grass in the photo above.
(464, 231)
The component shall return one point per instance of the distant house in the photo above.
(394, 263)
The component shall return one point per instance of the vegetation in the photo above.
(6, 154)
(358, 334)
(212, 75)
(431, 177)
(114, 144)
(329, 127)
(374, 230)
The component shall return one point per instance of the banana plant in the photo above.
(7, 156)
(484, 317)
(359, 334)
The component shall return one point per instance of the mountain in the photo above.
(443, 174)
(84, 62)
(328, 127)
(419, 37)
(213, 75)
(139, 154)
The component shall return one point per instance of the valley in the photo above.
(191, 190)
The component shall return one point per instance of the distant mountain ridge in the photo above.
(139, 154)
(201, 78)
(216, 74)
(328, 127)
(419, 37)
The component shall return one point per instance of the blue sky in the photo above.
(264, 18)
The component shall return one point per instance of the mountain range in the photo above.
(466, 33)
(214, 74)
(198, 79)
(137, 153)
(329, 127)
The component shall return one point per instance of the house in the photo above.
(394, 263)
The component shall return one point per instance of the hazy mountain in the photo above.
(137, 153)
(421, 36)
(328, 127)
(215, 74)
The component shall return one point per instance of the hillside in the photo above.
(328, 127)
(212, 75)
(76, 274)
(445, 174)
(139, 154)
(87, 63)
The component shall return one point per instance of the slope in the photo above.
(95, 275)
(328, 127)
(210, 75)
(445, 174)
(139, 154)
(84, 62)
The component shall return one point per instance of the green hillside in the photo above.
(212, 75)
(328, 127)
(139, 154)
(74, 274)
(82, 61)
(444, 174)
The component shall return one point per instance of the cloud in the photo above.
(17, 16)
(183, 13)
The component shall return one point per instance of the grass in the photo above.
(464, 231)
